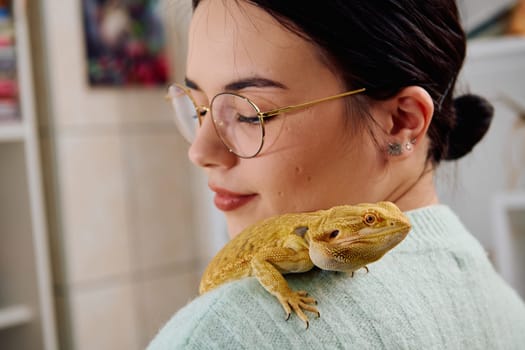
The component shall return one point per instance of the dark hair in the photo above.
(386, 45)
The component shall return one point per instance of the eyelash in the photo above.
(249, 120)
(254, 120)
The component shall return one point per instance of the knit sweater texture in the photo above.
(436, 290)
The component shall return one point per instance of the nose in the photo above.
(207, 150)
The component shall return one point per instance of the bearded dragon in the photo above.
(343, 238)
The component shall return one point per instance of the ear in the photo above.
(301, 230)
(410, 113)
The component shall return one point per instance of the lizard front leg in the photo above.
(268, 266)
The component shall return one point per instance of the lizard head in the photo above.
(349, 237)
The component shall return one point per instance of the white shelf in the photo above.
(14, 316)
(26, 296)
(11, 131)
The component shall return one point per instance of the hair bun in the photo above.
(473, 116)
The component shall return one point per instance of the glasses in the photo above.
(237, 120)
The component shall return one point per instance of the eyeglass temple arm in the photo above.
(277, 111)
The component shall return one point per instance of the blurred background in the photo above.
(105, 226)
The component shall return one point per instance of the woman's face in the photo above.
(311, 158)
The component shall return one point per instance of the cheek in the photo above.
(296, 183)
(303, 151)
(317, 161)
(324, 174)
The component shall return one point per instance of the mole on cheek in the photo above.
(300, 171)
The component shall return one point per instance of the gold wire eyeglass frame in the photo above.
(202, 110)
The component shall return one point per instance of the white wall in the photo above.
(477, 12)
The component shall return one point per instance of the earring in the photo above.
(409, 146)
(394, 149)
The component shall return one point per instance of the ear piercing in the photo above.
(409, 145)
(395, 149)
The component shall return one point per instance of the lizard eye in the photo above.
(370, 219)
(334, 234)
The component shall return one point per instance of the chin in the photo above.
(235, 226)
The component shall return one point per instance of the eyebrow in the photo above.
(241, 84)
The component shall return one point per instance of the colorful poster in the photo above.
(125, 43)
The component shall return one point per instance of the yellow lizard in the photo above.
(343, 238)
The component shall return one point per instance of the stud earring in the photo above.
(409, 146)
(394, 149)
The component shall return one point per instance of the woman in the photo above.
(370, 84)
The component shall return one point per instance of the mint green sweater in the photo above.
(436, 290)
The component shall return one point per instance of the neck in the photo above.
(416, 193)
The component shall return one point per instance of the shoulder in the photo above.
(236, 315)
(389, 307)
(361, 311)
(436, 288)
(241, 314)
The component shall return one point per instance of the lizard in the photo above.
(343, 238)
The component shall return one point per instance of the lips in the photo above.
(227, 201)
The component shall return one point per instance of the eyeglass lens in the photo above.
(185, 112)
(235, 119)
(237, 124)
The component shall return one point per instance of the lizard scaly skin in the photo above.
(343, 238)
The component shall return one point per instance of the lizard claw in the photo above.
(297, 302)
(364, 267)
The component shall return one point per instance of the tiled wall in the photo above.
(126, 247)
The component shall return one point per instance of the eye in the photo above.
(334, 234)
(254, 119)
(370, 219)
(248, 120)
